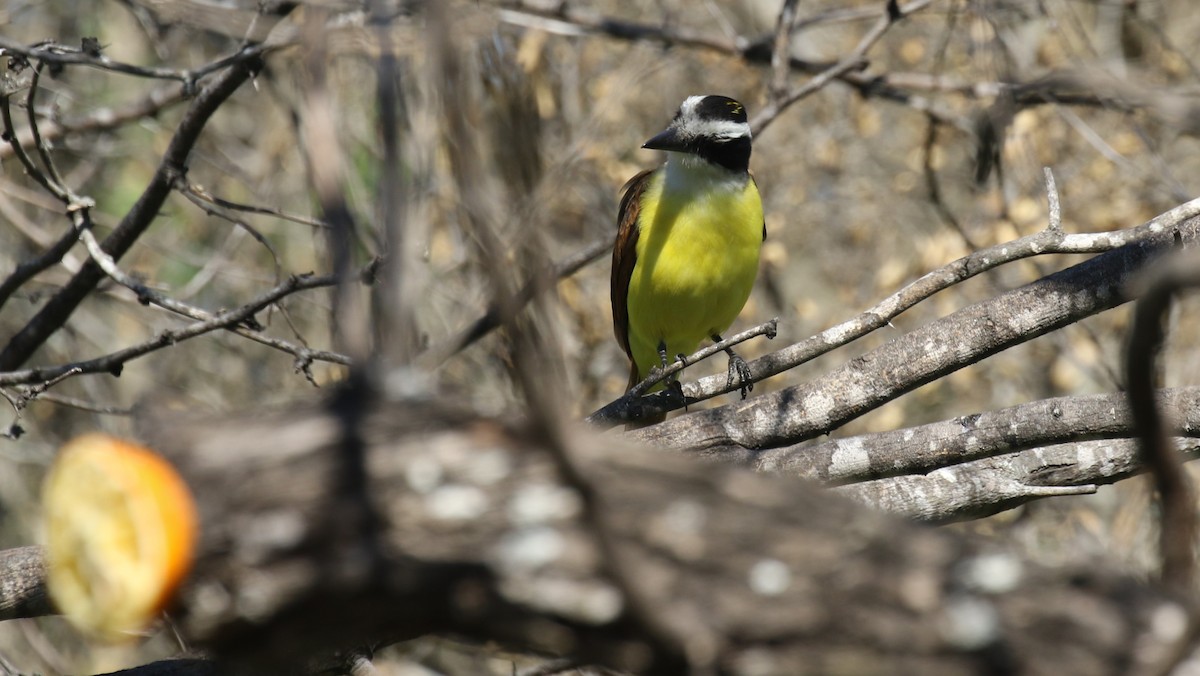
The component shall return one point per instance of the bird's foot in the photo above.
(739, 368)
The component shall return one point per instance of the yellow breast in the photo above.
(700, 231)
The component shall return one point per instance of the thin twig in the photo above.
(105, 118)
(780, 66)
(491, 319)
(933, 185)
(1177, 535)
(51, 52)
(62, 305)
(199, 193)
(114, 362)
(569, 19)
(206, 205)
(59, 186)
(82, 405)
(852, 61)
(657, 375)
(630, 406)
(10, 134)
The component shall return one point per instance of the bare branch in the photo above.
(1178, 533)
(852, 61)
(10, 134)
(781, 50)
(60, 307)
(631, 406)
(114, 362)
(104, 118)
(981, 487)
(807, 410)
(22, 584)
(304, 356)
(26, 270)
(57, 185)
(925, 448)
(63, 55)
(199, 195)
(491, 319)
(569, 19)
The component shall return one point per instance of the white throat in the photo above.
(686, 172)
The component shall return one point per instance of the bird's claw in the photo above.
(738, 367)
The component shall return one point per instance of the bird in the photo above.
(688, 239)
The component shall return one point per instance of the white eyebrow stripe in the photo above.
(688, 107)
(726, 129)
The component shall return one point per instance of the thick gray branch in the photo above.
(930, 352)
(924, 448)
(22, 584)
(982, 487)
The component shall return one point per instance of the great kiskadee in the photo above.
(688, 238)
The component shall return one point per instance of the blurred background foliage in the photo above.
(849, 184)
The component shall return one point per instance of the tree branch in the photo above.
(921, 356)
(23, 584)
(114, 362)
(983, 487)
(507, 554)
(60, 307)
(1177, 538)
(925, 448)
(104, 118)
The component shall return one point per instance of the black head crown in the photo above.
(713, 127)
(714, 107)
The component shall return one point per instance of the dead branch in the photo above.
(484, 539)
(59, 308)
(941, 347)
(114, 362)
(23, 584)
(925, 448)
(1178, 534)
(104, 118)
(979, 488)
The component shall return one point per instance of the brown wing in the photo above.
(755, 181)
(625, 255)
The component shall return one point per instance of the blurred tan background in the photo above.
(845, 179)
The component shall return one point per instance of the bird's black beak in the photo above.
(669, 139)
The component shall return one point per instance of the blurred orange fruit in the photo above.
(121, 530)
